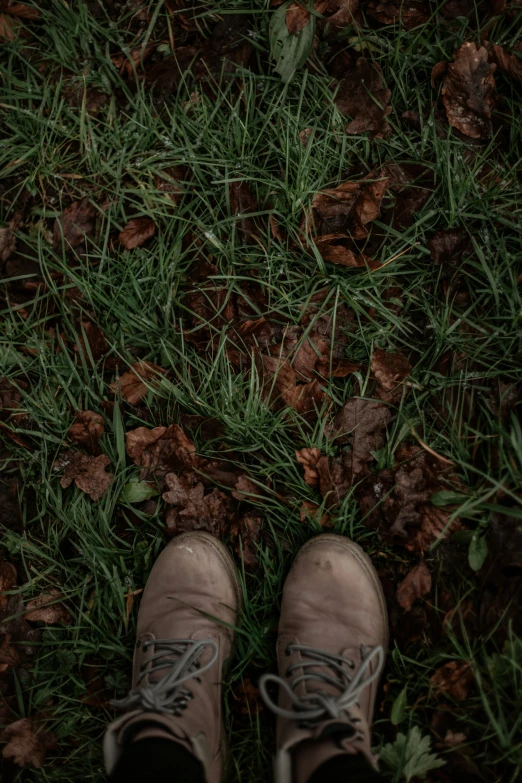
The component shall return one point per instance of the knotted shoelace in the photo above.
(168, 696)
(316, 706)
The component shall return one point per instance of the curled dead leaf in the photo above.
(308, 459)
(87, 430)
(416, 585)
(135, 384)
(136, 232)
(193, 509)
(47, 608)
(87, 472)
(510, 64)
(390, 370)
(161, 450)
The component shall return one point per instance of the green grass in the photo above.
(247, 128)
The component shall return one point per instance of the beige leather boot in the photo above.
(184, 638)
(333, 633)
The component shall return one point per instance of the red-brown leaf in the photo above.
(136, 232)
(363, 97)
(76, 223)
(416, 585)
(27, 743)
(87, 430)
(135, 384)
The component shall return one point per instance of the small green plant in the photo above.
(409, 756)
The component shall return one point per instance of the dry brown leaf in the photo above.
(243, 202)
(308, 459)
(298, 16)
(95, 338)
(135, 384)
(8, 579)
(161, 450)
(361, 95)
(136, 232)
(75, 224)
(7, 243)
(193, 509)
(88, 473)
(22, 11)
(410, 14)
(416, 585)
(48, 609)
(510, 64)
(448, 246)
(87, 430)
(390, 371)
(467, 91)
(311, 511)
(9, 27)
(347, 209)
(245, 489)
(27, 743)
(453, 678)
(9, 657)
(245, 536)
(362, 424)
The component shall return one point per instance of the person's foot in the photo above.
(333, 633)
(184, 638)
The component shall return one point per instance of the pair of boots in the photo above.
(330, 649)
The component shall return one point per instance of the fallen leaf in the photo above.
(22, 11)
(390, 370)
(416, 585)
(312, 511)
(347, 209)
(245, 535)
(398, 501)
(243, 202)
(193, 509)
(361, 424)
(27, 743)
(280, 387)
(9, 658)
(410, 14)
(10, 400)
(298, 16)
(136, 384)
(453, 678)
(361, 95)
(245, 489)
(467, 91)
(9, 27)
(304, 137)
(448, 246)
(411, 185)
(248, 700)
(87, 472)
(171, 181)
(87, 430)
(48, 609)
(452, 738)
(7, 243)
(510, 64)
(136, 232)
(95, 339)
(308, 459)
(75, 224)
(161, 450)
(8, 579)
(439, 70)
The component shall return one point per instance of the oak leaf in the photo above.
(467, 91)
(27, 743)
(87, 472)
(161, 450)
(195, 510)
(453, 678)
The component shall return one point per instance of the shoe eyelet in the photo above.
(138, 644)
(287, 652)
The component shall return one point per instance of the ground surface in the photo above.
(173, 256)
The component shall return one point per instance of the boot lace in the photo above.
(316, 706)
(168, 696)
